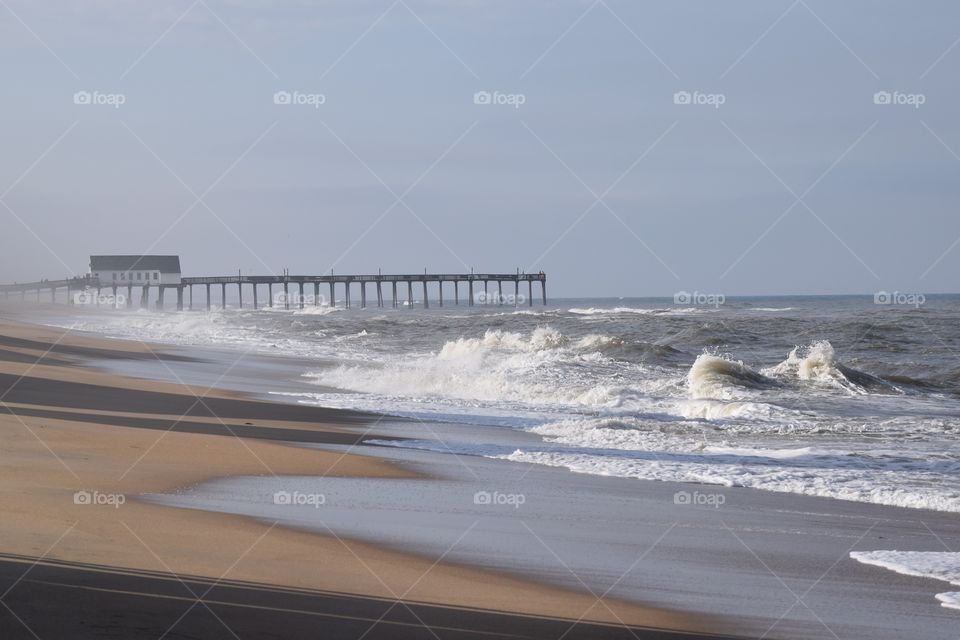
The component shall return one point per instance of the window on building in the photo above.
(156, 275)
(114, 275)
(139, 275)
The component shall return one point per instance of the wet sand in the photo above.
(78, 448)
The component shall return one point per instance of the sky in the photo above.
(626, 148)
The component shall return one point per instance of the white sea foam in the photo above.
(817, 363)
(317, 311)
(596, 311)
(650, 423)
(604, 311)
(843, 483)
(541, 369)
(709, 409)
(939, 565)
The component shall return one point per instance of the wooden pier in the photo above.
(296, 289)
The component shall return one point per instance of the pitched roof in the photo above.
(164, 264)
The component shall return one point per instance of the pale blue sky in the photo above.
(701, 197)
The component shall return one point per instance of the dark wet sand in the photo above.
(71, 600)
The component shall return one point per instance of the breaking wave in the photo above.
(713, 376)
(818, 363)
(543, 368)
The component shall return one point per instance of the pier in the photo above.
(298, 291)
(49, 287)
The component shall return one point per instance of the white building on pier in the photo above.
(136, 270)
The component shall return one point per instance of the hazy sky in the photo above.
(787, 177)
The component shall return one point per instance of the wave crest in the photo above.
(716, 377)
(541, 339)
(818, 363)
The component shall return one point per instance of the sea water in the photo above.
(828, 396)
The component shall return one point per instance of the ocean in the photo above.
(846, 397)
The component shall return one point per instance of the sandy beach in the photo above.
(104, 563)
(138, 505)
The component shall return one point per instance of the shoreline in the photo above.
(804, 539)
(47, 458)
